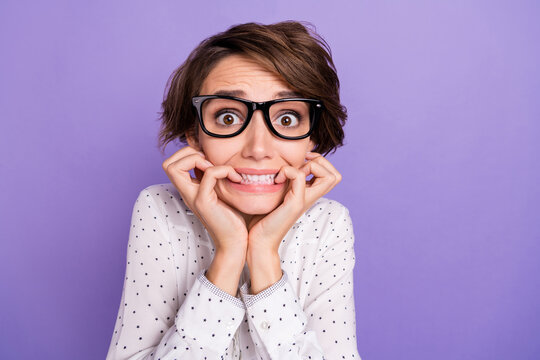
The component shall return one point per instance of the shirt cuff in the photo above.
(275, 313)
(218, 292)
(250, 299)
(209, 316)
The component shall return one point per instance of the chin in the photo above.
(254, 205)
(254, 208)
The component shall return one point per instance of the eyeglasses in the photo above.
(227, 116)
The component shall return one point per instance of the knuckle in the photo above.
(166, 165)
(211, 170)
(187, 149)
(334, 178)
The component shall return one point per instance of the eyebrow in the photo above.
(241, 93)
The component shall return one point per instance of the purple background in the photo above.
(439, 169)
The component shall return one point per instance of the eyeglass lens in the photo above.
(227, 116)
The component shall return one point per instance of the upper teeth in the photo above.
(258, 179)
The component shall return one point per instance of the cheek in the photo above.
(217, 151)
(215, 157)
(294, 153)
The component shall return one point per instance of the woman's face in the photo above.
(256, 148)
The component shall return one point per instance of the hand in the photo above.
(225, 225)
(300, 196)
(267, 232)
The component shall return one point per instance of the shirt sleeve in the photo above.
(325, 327)
(151, 322)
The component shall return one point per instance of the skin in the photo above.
(248, 227)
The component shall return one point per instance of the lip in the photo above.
(250, 171)
(255, 188)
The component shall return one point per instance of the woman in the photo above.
(246, 259)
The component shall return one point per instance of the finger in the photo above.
(319, 172)
(306, 169)
(312, 155)
(293, 204)
(213, 174)
(318, 158)
(284, 173)
(321, 175)
(323, 181)
(182, 166)
(179, 154)
(321, 160)
(178, 173)
(296, 177)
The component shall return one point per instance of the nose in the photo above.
(259, 141)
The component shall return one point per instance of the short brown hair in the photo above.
(290, 49)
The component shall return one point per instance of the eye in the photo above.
(289, 119)
(227, 118)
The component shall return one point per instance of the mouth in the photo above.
(257, 176)
(257, 179)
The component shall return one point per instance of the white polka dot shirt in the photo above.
(170, 310)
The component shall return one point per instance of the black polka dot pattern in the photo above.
(170, 310)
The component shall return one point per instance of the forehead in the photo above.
(241, 74)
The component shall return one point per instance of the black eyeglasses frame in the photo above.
(252, 106)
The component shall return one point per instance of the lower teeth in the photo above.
(255, 183)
